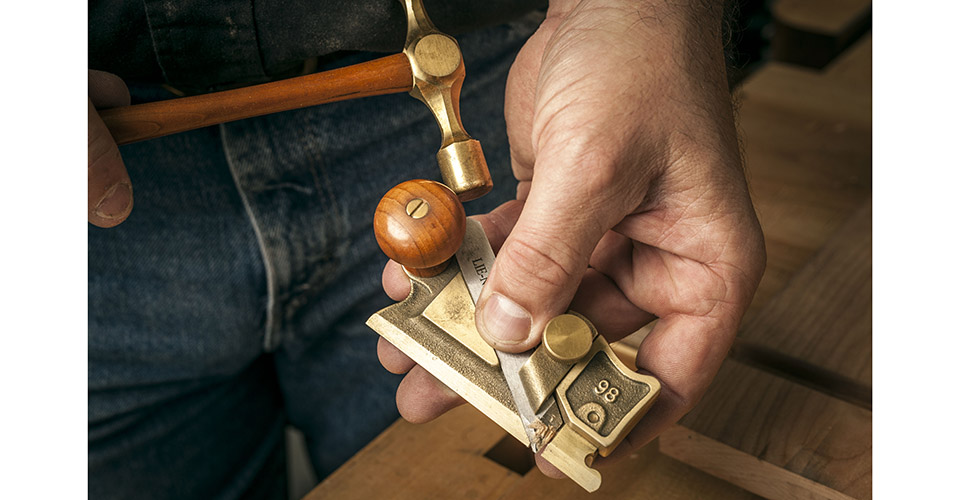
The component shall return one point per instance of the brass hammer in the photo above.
(430, 69)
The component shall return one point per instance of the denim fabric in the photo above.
(232, 301)
(205, 44)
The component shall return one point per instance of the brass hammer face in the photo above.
(438, 72)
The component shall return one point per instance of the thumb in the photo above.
(541, 263)
(109, 192)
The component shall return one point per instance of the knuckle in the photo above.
(686, 403)
(101, 150)
(103, 159)
(600, 169)
(684, 397)
(537, 264)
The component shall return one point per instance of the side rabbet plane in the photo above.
(568, 399)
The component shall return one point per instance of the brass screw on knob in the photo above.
(418, 208)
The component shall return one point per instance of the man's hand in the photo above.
(109, 194)
(633, 204)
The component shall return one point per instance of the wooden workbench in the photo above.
(789, 415)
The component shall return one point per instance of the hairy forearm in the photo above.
(701, 16)
(685, 34)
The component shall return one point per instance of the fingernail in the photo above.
(116, 202)
(504, 321)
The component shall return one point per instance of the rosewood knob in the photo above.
(420, 224)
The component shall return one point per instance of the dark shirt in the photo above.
(207, 43)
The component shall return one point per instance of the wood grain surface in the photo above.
(770, 419)
(812, 32)
(853, 69)
(441, 459)
(821, 16)
(445, 459)
(759, 476)
(819, 329)
(386, 75)
(808, 153)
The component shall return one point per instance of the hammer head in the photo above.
(464, 169)
(437, 67)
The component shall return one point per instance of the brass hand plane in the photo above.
(569, 399)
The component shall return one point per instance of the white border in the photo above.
(916, 220)
(43, 425)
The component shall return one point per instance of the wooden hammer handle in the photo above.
(387, 75)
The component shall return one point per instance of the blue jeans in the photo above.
(232, 301)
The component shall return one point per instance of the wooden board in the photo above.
(853, 69)
(646, 474)
(828, 17)
(813, 32)
(818, 330)
(445, 459)
(441, 459)
(759, 476)
(807, 147)
(771, 420)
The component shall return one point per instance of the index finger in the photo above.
(109, 193)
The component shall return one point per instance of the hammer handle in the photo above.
(387, 75)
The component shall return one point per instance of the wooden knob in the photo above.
(420, 224)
